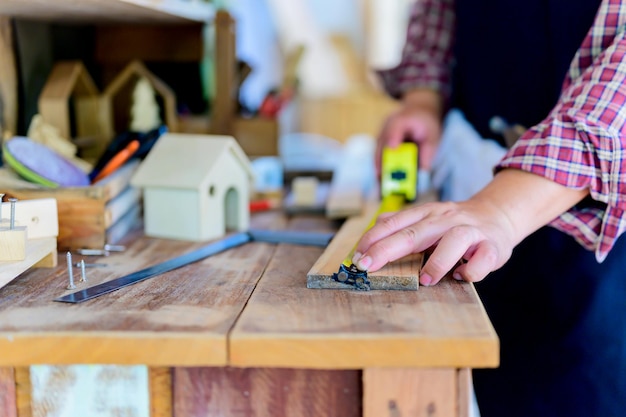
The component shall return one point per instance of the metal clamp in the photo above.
(351, 275)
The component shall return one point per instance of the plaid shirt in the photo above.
(580, 144)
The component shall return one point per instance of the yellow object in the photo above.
(399, 171)
(398, 183)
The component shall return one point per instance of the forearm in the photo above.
(427, 55)
(426, 99)
(527, 201)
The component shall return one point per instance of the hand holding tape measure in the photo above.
(398, 185)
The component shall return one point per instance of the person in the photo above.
(542, 238)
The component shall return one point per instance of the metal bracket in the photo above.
(351, 275)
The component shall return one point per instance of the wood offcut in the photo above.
(402, 274)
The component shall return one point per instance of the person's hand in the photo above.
(418, 120)
(482, 230)
(476, 231)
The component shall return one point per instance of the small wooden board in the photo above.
(37, 250)
(402, 274)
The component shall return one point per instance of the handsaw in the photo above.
(398, 186)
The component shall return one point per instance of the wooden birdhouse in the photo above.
(69, 101)
(195, 187)
(117, 100)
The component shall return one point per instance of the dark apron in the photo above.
(560, 316)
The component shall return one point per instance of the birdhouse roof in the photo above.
(186, 160)
(66, 79)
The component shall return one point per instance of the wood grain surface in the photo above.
(8, 406)
(260, 392)
(8, 79)
(161, 398)
(287, 325)
(410, 392)
(178, 318)
(36, 251)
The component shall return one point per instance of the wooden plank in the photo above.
(178, 318)
(261, 392)
(465, 388)
(98, 11)
(8, 405)
(36, 250)
(409, 392)
(287, 325)
(8, 79)
(402, 274)
(161, 398)
(23, 390)
(224, 104)
(85, 390)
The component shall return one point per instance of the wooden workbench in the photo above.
(240, 333)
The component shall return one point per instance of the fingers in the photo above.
(451, 247)
(393, 238)
(388, 224)
(484, 259)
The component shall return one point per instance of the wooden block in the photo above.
(410, 392)
(402, 274)
(8, 406)
(304, 191)
(263, 392)
(36, 250)
(13, 244)
(39, 216)
(257, 136)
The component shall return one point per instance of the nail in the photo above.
(83, 274)
(12, 201)
(70, 272)
(426, 279)
(356, 257)
(457, 276)
(364, 263)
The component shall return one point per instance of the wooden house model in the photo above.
(116, 100)
(195, 187)
(69, 101)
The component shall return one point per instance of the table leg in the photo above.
(160, 380)
(23, 392)
(396, 392)
(8, 406)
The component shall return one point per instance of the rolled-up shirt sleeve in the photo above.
(582, 142)
(427, 54)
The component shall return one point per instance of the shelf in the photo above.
(103, 11)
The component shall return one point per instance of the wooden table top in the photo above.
(248, 306)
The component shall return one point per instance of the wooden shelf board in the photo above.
(102, 11)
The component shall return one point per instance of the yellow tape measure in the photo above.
(398, 184)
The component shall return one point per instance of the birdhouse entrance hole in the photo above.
(231, 210)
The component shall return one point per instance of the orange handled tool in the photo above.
(118, 160)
